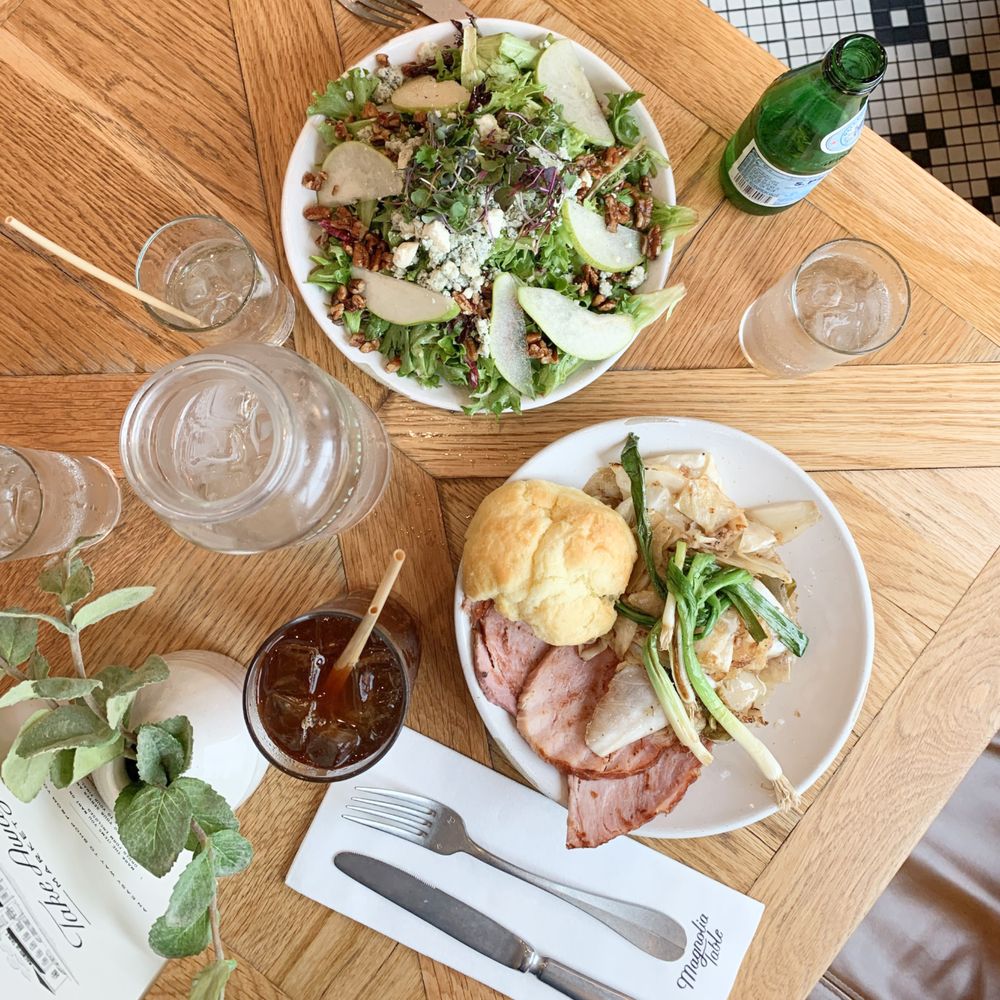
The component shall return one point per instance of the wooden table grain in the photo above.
(120, 116)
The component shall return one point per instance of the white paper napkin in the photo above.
(530, 830)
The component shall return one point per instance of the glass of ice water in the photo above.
(846, 299)
(206, 267)
(48, 500)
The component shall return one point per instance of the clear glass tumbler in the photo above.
(249, 447)
(312, 729)
(846, 299)
(207, 268)
(48, 500)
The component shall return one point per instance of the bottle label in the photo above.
(842, 139)
(761, 182)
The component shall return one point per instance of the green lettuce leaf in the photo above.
(346, 96)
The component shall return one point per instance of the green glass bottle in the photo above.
(803, 124)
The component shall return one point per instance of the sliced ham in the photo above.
(555, 706)
(602, 809)
(503, 654)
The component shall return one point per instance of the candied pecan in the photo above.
(316, 212)
(419, 117)
(606, 305)
(542, 352)
(313, 179)
(337, 311)
(381, 59)
(340, 131)
(598, 299)
(586, 161)
(370, 345)
(390, 121)
(369, 110)
(355, 303)
(356, 339)
(471, 348)
(642, 211)
(340, 295)
(645, 184)
(413, 69)
(323, 240)
(393, 365)
(532, 338)
(652, 242)
(590, 276)
(613, 154)
(361, 256)
(615, 212)
(463, 303)
(356, 286)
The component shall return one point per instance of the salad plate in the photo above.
(299, 234)
(810, 715)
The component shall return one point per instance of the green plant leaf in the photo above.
(86, 760)
(179, 726)
(119, 686)
(79, 584)
(18, 637)
(16, 614)
(61, 771)
(63, 727)
(159, 756)
(211, 811)
(124, 800)
(192, 892)
(210, 983)
(56, 688)
(25, 777)
(154, 825)
(173, 943)
(38, 666)
(231, 852)
(110, 604)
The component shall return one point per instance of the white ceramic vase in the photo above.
(208, 689)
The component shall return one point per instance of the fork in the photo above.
(401, 14)
(440, 829)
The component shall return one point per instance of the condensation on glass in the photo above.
(249, 447)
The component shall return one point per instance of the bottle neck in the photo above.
(855, 65)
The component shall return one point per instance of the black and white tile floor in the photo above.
(940, 100)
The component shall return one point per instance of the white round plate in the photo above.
(811, 715)
(298, 235)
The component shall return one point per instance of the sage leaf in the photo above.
(231, 852)
(159, 756)
(56, 688)
(153, 826)
(86, 760)
(18, 637)
(119, 686)
(211, 811)
(210, 983)
(110, 604)
(25, 777)
(61, 771)
(173, 943)
(82, 542)
(79, 583)
(63, 727)
(52, 579)
(192, 892)
(179, 726)
(38, 666)
(16, 614)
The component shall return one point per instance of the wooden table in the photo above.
(120, 116)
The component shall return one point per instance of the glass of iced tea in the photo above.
(321, 731)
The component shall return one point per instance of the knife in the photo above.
(469, 926)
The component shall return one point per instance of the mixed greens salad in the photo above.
(484, 220)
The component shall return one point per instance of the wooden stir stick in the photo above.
(348, 659)
(95, 272)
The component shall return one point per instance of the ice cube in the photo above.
(331, 743)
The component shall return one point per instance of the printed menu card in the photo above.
(528, 829)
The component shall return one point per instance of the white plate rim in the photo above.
(668, 827)
(294, 197)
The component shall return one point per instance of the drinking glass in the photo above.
(847, 298)
(48, 500)
(206, 267)
(248, 447)
(297, 725)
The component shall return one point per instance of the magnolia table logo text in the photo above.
(704, 952)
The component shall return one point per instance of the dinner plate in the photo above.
(298, 235)
(811, 715)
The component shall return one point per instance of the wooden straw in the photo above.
(348, 659)
(95, 272)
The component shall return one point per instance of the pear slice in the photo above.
(573, 328)
(607, 251)
(560, 73)
(356, 172)
(424, 93)
(403, 302)
(506, 342)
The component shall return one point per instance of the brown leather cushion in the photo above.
(934, 934)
